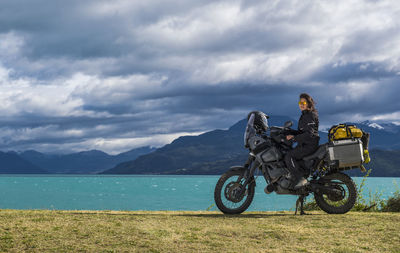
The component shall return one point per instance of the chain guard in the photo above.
(339, 196)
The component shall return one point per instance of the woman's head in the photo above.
(306, 102)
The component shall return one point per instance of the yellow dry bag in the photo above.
(344, 131)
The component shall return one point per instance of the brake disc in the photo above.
(231, 191)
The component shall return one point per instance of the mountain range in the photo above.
(209, 153)
(214, 152)
(12, 163)
(86, 162)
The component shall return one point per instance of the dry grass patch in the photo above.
(170, 231)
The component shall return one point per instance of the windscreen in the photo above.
(264, 122)
(250, 131)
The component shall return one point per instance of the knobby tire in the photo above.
(219, 190)
(351, 191)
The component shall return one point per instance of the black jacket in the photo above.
(308, 128)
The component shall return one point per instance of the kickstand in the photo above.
(300, 201)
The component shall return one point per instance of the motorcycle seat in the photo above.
(320, 153)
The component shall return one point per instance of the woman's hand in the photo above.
(289, 137)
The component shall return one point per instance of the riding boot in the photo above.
(300, 183)
(297, 179)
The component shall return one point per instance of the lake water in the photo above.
(93, 192)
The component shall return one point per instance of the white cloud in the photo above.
(393, 116)
(354, 91)
(113, 90)
(67, 97)
(194, 28)
(118, 145)
(26, 95)
(10, 44)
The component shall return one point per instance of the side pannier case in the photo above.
(347, 138)
(346, 153)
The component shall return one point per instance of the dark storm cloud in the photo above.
(116, 75)
(200, 99)
(345, 72)
(79, 29)
(370, 42)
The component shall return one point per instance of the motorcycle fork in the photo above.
(246, 168)
(249, 175)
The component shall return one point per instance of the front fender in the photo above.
(234, 168)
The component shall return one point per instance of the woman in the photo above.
(307, 139)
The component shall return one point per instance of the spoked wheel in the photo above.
(342, 199)
(226, 194)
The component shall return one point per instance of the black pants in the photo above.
(296, 154)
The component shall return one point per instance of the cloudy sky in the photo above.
(115, 75)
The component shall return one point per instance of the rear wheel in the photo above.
(344, 197)
(227, 189)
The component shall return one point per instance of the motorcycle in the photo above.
(334, 191)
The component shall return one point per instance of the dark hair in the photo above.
(310, 101)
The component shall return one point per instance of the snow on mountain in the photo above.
(388, 127)
(375, 125)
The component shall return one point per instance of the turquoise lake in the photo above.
(92, 192)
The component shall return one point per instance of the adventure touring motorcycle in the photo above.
(334, 191)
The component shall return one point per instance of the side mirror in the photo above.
(288, 124)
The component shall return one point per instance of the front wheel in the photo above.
(227, 189)
(345, 197)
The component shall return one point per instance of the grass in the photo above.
(202, 231)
